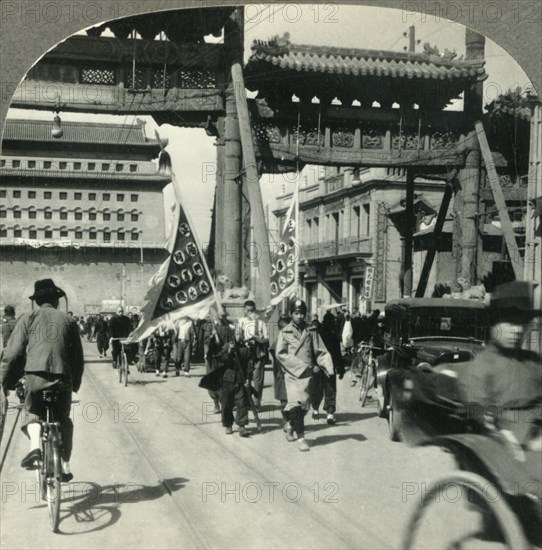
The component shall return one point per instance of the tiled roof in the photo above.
(78, 132)
(280, 53)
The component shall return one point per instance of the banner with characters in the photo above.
(182, 287)
(285, 256)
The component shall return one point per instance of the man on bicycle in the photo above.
(46, 343)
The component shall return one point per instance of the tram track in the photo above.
(196, 534)
(357, 534)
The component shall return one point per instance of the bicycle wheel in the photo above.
(364, 385)
(53, 479)
(450, 491)
(120, 367)
(125, 368)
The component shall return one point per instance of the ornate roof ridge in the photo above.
(280, 46)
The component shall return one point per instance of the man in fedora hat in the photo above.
(47, 342)
(503, 385)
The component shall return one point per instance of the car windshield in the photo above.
(448, 324)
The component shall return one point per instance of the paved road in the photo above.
(154, 469)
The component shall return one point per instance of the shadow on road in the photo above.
(326, 439)
(93, 507)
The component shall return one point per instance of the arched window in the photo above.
(48, 213)
(78, 232)
(63, 213)
(92, 214)
(17, 212)
(17, 232)
(106, 214)
(78, 214)
(3, 231)
(48, 232)
(134, 215)
(120, 234)
(106, 234)
(120, 215)
(32, 213)
(134, 234)
(92, 234)
(32, 232)
(3, 212)
(63, 232)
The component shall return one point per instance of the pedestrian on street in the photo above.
(102, 340)
(120, 326)
(164, 338)
(324, 386)
(252, 334)
(211, 353)
(279, 384)
(301, 354)
(227, 375)
(185, 343)
(8, 324)
(48, 363)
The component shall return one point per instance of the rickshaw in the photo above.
(425, 332)
(496, 491)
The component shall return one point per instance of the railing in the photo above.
(331, 249)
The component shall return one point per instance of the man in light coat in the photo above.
(302, 355)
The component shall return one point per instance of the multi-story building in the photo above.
(85, 209)
(351, 232)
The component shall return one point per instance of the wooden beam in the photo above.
(431, 253)
(253, 184)
(508, 230)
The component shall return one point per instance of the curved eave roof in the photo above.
(79, 132)
(354, 62)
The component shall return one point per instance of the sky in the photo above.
(193, 152)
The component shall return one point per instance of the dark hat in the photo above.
(298, 305)
(514, 298)
(46, 288)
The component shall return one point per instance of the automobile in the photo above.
(423, 333)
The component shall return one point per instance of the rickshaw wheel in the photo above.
(473, 484)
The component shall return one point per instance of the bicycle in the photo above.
(368, 371)
(123, 369)
(49, 472)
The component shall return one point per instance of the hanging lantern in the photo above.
(57, 131)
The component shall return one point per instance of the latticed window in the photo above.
(63, 231)
(3, 231)
(92, 235)
(92, 214)
(78, 214)
(106, 215)
(32, 232)
(139, 78)
(63, 214)
(63, 195)
(134, 216)
(3, 213)
(31, 194)
(105, 77)
(120, 234)
(16, 194)
(48, 214)
(32, 213)
(120, 216)
(17, 232)
(78, 233)
(48, 232)
(135, 235)
(47, 194)
(16, 213)
(107, 235)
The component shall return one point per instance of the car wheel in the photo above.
(394, 421)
